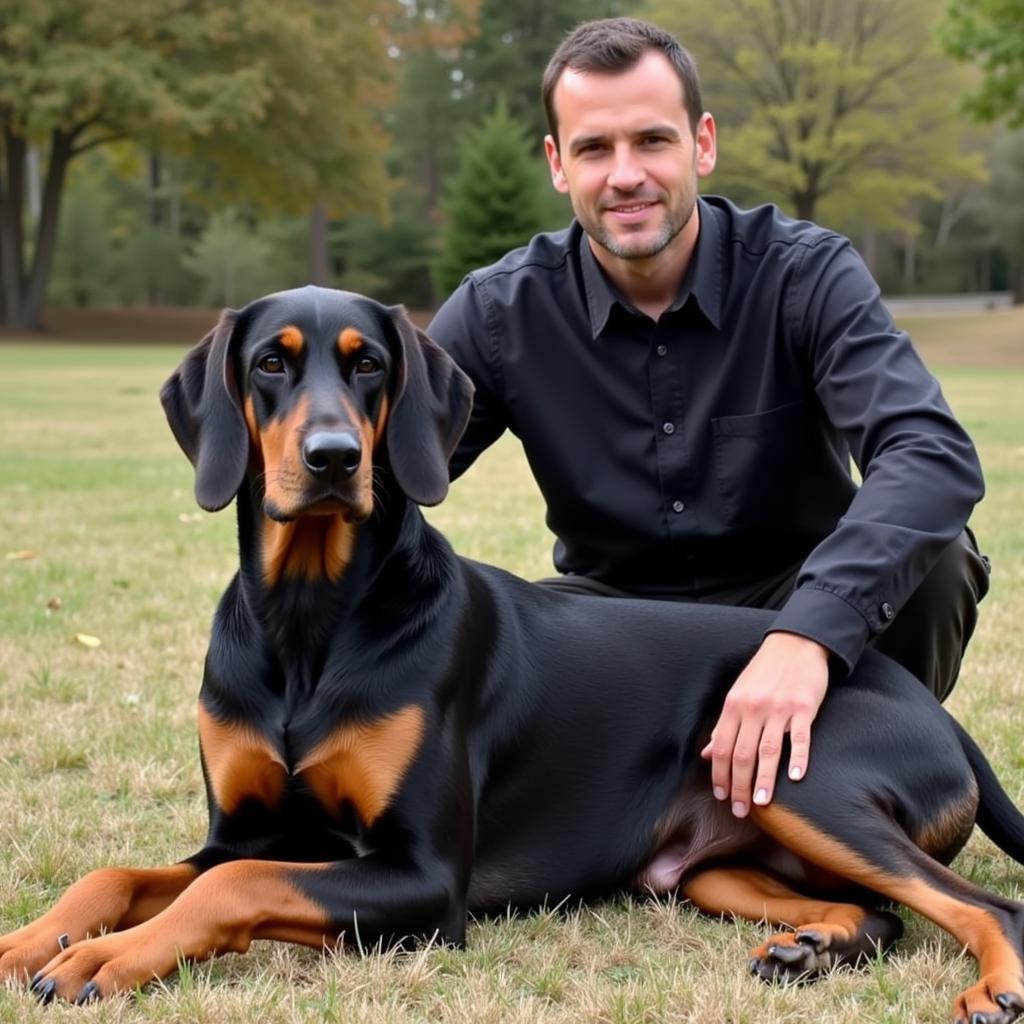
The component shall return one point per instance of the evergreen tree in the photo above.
(494, 204)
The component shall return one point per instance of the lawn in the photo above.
(99, 756)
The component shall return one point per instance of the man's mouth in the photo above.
(633, 211)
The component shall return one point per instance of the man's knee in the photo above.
(932, 630)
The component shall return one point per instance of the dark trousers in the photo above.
(928, 636)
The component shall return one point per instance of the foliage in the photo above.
(279, 94)
(235, 262)
(1006, 206)
(511, 50)
(838, 109)
(493, 205)
(84, 267)
(390, 259)
(990, 32)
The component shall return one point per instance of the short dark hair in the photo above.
(615, 45)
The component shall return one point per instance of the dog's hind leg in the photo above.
(873, 852)
(825, 933)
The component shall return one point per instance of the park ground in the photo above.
(109, 576)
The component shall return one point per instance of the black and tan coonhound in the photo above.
(392, 735)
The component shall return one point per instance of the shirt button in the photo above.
(662, 350)
(669, 428)
(888, 612)
(677, 506)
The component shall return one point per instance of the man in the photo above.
(689, 381)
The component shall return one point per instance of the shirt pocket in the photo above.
(758, 464)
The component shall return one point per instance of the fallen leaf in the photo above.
(86, 640)
(54, 604)
(21, 556)
(190, 517)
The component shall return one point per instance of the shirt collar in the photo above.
(703, 278)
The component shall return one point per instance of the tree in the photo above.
(511, 50)
(840, 110)
(493, 204)
(1006, 210)
(990, 32)
(275, 92)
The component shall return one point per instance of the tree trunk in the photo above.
(319, 262)
(154, 289)
(29, 314)
(12, 252)
(909, 260)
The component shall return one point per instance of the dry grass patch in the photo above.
(98, 756)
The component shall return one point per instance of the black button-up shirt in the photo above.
(712, 448)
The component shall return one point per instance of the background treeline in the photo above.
(168, 153)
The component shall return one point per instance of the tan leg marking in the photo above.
(240, 764)
(108, 899)
(223, 911)
(978, 929)
(365, 763)
(756, 896)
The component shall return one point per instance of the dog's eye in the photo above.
(367, 364)
(271, 364)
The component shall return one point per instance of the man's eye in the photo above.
(367, 364)
(271, 364)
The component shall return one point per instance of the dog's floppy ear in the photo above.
(202, 406)
(430, 409)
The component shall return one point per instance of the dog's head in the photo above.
(311, 388)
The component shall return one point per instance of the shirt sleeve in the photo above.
(464, 328)
(921, 474)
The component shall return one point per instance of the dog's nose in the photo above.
(332, 456)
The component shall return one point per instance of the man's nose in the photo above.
(627, 172)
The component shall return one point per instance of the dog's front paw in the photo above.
(24, 951)
(100, 967)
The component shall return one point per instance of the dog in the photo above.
(393, 736)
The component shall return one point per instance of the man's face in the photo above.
(627, 157)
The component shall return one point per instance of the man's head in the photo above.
(629, 139)
(614, 45)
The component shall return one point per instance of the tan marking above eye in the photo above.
(291, 339)
(350, 341)
(240, 764)
(364, 763)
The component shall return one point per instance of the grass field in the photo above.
(98, 758)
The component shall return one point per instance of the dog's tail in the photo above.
(998, 816)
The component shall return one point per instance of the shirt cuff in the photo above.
(827, 619)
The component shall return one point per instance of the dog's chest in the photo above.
(358, 765)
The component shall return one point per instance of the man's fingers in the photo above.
(799, 746)
(723, 740)
(769, 753)
(744, 763)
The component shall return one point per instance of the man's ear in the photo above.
(204, 411)
(430, 410)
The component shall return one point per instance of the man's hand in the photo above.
(779, 691)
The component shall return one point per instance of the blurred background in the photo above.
(168, 156)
